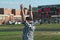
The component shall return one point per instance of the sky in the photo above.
(15, 4)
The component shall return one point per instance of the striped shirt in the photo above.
(28, 31)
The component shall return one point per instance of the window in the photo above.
(39, 10)
(1, 10)
(47, 14)
(13, 11)
(58, 10)
(46, 9)
(53, 9)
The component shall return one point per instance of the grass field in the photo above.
(38, 35)
(48, 26)
(38, 26)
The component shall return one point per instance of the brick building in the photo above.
(10, 14)
(7, 13)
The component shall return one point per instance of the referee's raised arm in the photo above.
(22, 13)
(30, 11)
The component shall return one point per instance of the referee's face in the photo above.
(30, 21)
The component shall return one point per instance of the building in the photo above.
(45, 12)
(6, 14)
(11, 14)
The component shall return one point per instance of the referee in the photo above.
(28, 31)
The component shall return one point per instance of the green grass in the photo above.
(11, 26)
(10, 35)
(47, 36)
(16, 35)
(38, 26)
(37, 35)
(48, 26)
